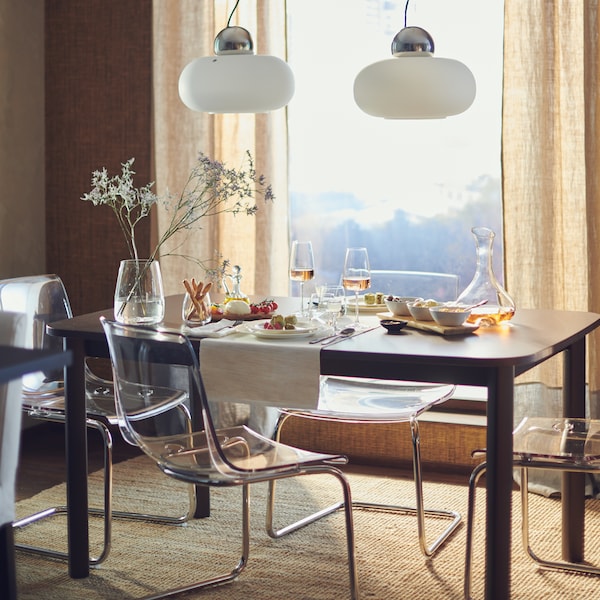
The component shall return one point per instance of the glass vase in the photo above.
(484, 286)
(139, 296)
(198, 312)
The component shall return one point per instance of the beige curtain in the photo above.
(184, 30)
(551, 162)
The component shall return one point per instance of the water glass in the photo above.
(333, 300)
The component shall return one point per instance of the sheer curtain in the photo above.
(185, 30)
(550, 165)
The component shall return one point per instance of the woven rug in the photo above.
(309, 564)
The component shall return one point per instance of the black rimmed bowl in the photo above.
(393, 327)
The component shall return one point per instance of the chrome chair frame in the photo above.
(418, 510)
(48, 404)
(203, 457)
(525, 461)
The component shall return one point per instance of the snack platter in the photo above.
(431, 326)
(216, 316)
(261, 310)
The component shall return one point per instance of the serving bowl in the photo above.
(450, 315)
(419, 309)
(397, 305)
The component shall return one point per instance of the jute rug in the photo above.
(309, 564)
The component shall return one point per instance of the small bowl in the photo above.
(419, 309)
(450, 316)
(397, 305)
(393, 327)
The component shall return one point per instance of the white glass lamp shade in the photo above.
(414, 84)
(236, 83)
(417, 86)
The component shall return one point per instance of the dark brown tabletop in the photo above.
(491, 358)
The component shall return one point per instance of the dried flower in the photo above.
(210, 190)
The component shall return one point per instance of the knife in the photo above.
(348, 337)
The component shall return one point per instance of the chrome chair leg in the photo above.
(556, 565)
(477, 472)
(548, 564)
(107, 512)
(419, 511)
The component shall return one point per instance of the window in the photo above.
(409, 191)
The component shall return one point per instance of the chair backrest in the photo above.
(138, 357)
(12, 333)
(439, 286)
(150, 414)
(42, 299)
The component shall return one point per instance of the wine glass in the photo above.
(332, 299)
(356, 276)
(302, 267)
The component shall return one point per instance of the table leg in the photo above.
(77, 462)
(573, 484)
(499, 483)
(8, 577)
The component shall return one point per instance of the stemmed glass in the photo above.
(302, 267)
(356, 276)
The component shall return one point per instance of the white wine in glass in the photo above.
(302, 266)
(356, 276)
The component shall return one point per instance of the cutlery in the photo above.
(346, 331)
(230, 326)
(340, 338)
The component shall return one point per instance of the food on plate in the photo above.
(281, 322)
(265, 307)
(425, 303)
(197, 292)
(373, 298)
(241, 309)
(237, 308)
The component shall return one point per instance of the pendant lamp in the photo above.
(414, 84)
(236, 80)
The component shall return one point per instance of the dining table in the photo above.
(14, 363)
(488, 357)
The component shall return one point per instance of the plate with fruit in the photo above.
(240, 310)
(282, 327)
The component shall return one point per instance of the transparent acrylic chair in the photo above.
(542, 443)
(43, 299)
(233, 456)
(356, 400)
(12, 333)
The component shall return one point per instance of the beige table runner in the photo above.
(271, 372)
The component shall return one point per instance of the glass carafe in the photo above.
(485, 287)
(233, 290)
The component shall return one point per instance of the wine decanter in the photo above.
(484, 286)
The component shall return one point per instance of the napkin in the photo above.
(269, 372)
(218, 329)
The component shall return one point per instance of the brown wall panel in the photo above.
(98, 106)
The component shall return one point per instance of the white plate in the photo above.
(258, 329)
(362, 307)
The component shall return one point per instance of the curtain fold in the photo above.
(551, 191)
(185, 30)
(550, 161)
